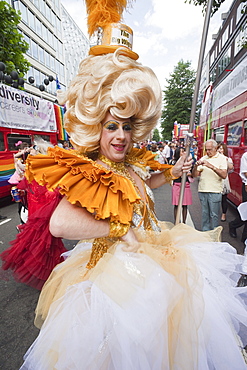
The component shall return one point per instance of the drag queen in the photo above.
(135, 293)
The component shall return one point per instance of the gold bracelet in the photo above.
(168, 175)
(117, 229)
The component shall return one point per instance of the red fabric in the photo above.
(35, 252)
(37, 195)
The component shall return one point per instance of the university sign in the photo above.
(21, 110)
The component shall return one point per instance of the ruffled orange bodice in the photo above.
(102, 192)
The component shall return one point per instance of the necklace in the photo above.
(118, 168)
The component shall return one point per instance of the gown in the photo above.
(35, 252)
(173, 305)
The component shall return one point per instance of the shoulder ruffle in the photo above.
(142, 160)
(84, 182)
(145, 158)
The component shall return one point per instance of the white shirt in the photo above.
(243, 168)
(166, 151)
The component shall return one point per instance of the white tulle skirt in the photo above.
(172, 306)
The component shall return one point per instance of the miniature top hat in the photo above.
(104, 21)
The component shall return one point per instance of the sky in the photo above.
(165, 31)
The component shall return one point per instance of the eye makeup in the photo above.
(114, 125)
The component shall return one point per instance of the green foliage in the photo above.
(215, 6)
(178, 97)
(156, 135)
(12, 43)
(244, 11)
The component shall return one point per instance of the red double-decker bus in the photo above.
(224, 118)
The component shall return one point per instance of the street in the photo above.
(18, 301)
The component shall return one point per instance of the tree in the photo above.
(215, 7)
(178, 98)
(156, 135)
(216, 4)
(12, 43)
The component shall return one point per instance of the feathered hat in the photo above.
(104, 18)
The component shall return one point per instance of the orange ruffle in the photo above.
(145, 158)
(84, 182)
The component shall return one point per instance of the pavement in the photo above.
(18, 301)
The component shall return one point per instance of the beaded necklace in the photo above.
(118, 168)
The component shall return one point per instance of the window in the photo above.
(38, 27)
(47, 59)
(48, 13)
(31, 19)
(42, 55)
(52, 61)
(1, 142)
(35, 54)
(14, 138)
(224, 61)
(27, 39)
(225, 36)
(239, 12)
(245, 133)
(213, 74)
(50, 39)
(23, 10)
(42, 6)
(234, 133)
(239, 40)
(36, 77)
(219, 134)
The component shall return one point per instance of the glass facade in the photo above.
(76, 45)
(54, 41)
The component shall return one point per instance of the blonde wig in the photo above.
(114, 83)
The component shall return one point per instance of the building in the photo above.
(76, 45)
(45, 25)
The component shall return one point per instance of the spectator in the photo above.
(66, 145)
(172, 151)
(166, 151)
(222, 149)
(176, 187)
(161, 157)
(211, 168)
(235, 224)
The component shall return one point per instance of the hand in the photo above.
(182, 165)
(132, 244)
(207, 164)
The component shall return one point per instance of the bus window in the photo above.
(14, 138)
(234, 133)
(245, 133)
(1, 142)
(219, 134)
(44, 137)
